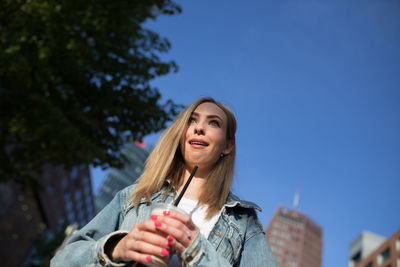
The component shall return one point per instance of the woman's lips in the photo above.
(198, 142)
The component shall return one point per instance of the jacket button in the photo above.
(101, 259)
(189, 259)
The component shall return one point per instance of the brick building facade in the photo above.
(386, 253)
(65, 196)
(296, 241)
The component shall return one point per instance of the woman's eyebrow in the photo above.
(212, 116)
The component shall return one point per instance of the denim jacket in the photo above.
(237, 238)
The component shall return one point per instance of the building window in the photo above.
(79, 205)
(60, 223)
(66, 196)
(295, 238)
(384, 256)
(398, 245)
(74, 173)
(81, 215)
(290, 220)
(71, 217)
(68, 207)
(83, 167)
(90, 212)
(277, 250)
(78, 196)
(369, 264)
(87, 190)
(356, 258)
(64, 182)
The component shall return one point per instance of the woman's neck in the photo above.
(195, 188)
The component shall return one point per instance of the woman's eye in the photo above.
(191, 120)
(214, 123)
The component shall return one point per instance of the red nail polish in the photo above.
(170, 238)
(153, 217)
(169, 245)
(164, 252)
(166, 212)
(149, 258)
(157, 224)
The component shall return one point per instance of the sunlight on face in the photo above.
(204, 139)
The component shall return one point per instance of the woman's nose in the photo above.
(199, 129)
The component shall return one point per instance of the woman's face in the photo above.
(204, 139)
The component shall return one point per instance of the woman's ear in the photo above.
(228, 146)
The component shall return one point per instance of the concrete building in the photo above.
(366, 243)
(117, 179)
(296, 241)
(372, 250)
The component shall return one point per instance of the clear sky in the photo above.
(315, 89)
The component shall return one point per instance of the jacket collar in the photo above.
(234, 201)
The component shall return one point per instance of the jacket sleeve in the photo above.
(255, 251)
(86, 247)
(202, 253)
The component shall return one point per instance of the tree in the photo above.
(75, 81)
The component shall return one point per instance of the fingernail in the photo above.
(164, 252)
(170, 238)
(157, 224)
(168, 245)
(153, 217)
(166, 212)
(149, 258)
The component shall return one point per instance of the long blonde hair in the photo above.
(166, 162)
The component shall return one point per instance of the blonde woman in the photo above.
(219, 229)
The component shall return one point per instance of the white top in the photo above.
(198, 214)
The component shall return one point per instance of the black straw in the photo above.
(186, 186)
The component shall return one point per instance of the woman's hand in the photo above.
(140, 243)
(179, 228)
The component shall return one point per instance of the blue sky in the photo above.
(315, 89)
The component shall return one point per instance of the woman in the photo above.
(221, 229)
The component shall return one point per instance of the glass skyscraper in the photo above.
(118, 179)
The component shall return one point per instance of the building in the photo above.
(20, 223)
(296, 241)
(372, 250)
(65, 196)
(117, 179)
(366, 243)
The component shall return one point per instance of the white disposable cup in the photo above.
(158, 208)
